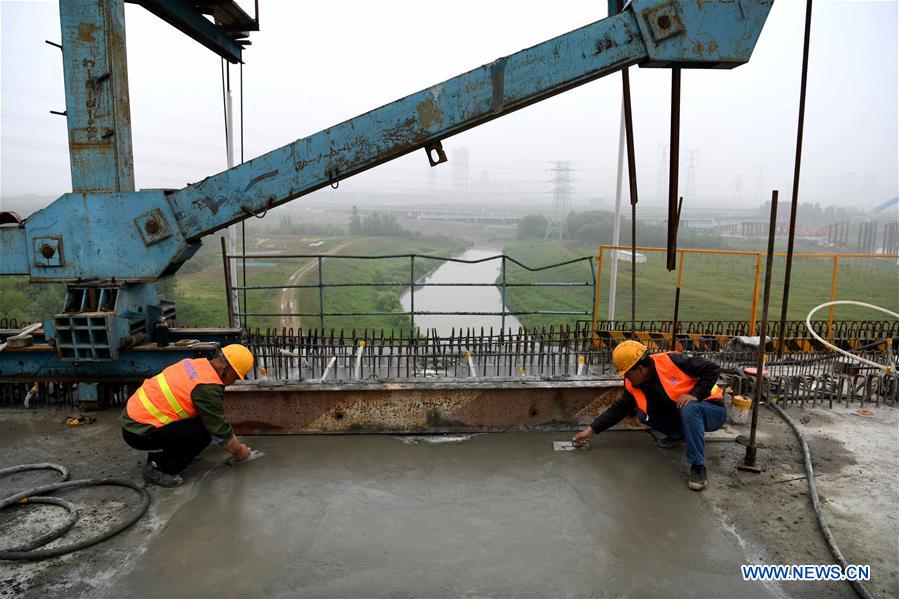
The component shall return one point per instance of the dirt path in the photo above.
(289, 303)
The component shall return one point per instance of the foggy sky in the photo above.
(316, 64)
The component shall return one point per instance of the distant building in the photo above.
(625, 256)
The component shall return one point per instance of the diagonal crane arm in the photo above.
(418, 121)
(650, 33)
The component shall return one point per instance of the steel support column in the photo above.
(97, 106)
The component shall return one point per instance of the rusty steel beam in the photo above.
(98, 111)
(418, 407)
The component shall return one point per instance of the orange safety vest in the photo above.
(674, 380)
(165, 398)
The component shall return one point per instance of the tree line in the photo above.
(375, 224)
(596, 226)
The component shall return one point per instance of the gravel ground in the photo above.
(857, 473)
(89, 451)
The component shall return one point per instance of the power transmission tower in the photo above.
(738, 189)
(557, 224)
(760, 185)
(692, 163)
(662, 191)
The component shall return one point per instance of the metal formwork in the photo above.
(433, 406)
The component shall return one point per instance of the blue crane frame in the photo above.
(107, 234)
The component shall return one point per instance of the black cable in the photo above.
(34, 495)
(857, 586)
(41, 466)
(53, 534)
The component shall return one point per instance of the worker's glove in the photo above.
(582, 437)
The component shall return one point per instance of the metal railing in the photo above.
(833, 258)
(414, 282)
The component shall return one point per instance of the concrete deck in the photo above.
(497, 515)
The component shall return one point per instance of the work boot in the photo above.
(155, 476)
(670, 442)
(697, 480)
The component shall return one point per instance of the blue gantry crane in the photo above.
(110, 242)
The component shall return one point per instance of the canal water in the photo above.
(462, 299)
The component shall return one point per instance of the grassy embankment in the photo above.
(371, 299)
(713, 287)
(199, 287)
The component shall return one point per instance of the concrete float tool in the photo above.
(569, 446)
(254, 454)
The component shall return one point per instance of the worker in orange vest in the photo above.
(177, 413)
(674, 394)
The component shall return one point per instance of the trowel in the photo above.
(569, 445)
(254, 453)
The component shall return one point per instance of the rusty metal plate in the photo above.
(419, 407)
(48, 251)
(664, 21)
(153, 226)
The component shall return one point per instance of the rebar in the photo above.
(801, 377)
(796, 169)
(749, 460)
(673, 163)
(632, 185)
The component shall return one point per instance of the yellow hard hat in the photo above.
(239, 357)
(626, 355)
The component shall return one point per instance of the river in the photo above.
(461, 299)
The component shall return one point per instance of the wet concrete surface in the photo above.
(497, 515)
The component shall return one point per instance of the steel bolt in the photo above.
(152, 226)
(664, 21)
(47, 251)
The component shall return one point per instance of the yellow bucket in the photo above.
(739, 410)
(741, 403)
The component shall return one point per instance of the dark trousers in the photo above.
(696, 419)
(173, 446)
